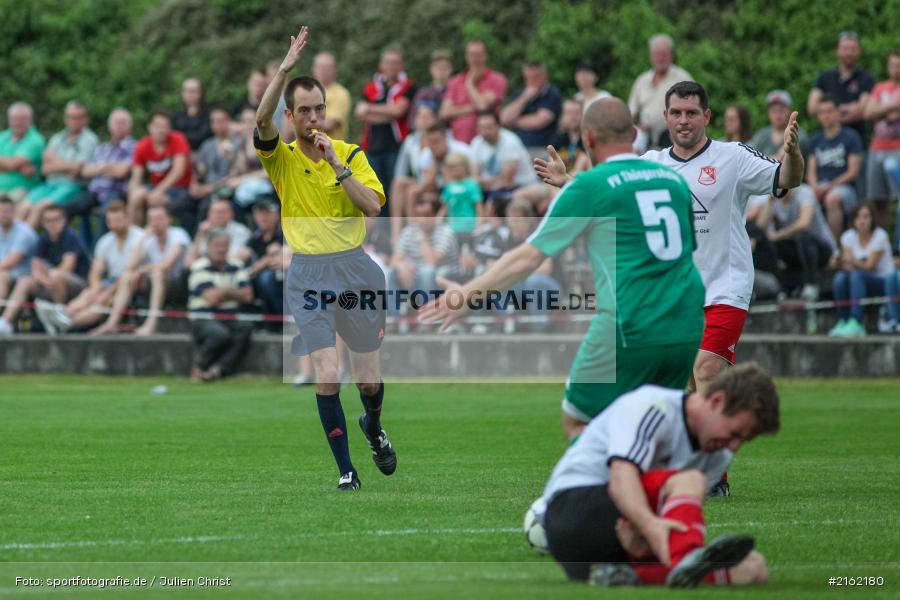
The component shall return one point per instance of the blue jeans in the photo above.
(270, 290)
(383, 165)
(892, 289)
(854, 286)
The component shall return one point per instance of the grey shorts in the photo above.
(878, 184)
(336, 293)
(74, 286)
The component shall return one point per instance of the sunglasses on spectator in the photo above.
(848, 35)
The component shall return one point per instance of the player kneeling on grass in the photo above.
(625, 502)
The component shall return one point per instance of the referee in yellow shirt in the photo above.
(327, 188)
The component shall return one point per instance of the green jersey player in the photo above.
(636, 218)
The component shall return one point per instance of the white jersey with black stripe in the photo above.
(646, 427)
(722, 176)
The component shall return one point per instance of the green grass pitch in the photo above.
(101, 478)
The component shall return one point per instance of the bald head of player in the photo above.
(607, 129)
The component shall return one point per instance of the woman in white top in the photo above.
(866, 264)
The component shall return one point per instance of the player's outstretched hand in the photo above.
(298, 43)
(553, 170)
(792, 135)
(656, 532)
(446, 308)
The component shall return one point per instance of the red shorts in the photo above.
(724, 325)
(653, 482)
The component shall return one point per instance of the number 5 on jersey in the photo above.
(665, 243)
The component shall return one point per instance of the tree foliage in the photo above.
(134, 54)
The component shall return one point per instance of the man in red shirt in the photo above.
(164, 157)
(475, 90)
(883, 107)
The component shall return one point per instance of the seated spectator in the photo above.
(408, 168)
(532, 111)
(461, 199)
(440, 68)
(476, 89)
(156, 266)
(218, 284)
(766, 272)
(256, 87)
(21, 149)
(502, 163)
(567, 146)
(264, 253)
(17, 245)
(107, 171)
(802, 239)
(377, 244)
(586, 79)
(493, 238)
(220, 218)
(866, 264)
(58, 269)
(737, 124)
(833, 166)
(192, 119)
(438, 146)
(384, 112)
(111, 256)
(567, 140)
(647, 100)
(64, 157)
(425, 249)
(770, 139)
(337, 118)
(251, 182)
(164, 156)
(217, 161)
(883, 107)
(521, 221)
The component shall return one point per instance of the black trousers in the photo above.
(581, 530)
(804, 253)
(221, 343)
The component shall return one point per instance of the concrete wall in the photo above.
(449, 356)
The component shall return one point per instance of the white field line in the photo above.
(206, 539)
(13, 546)
(793, 523)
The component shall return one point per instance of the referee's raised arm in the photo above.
(268, 104)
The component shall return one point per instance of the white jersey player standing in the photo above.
(722, 176)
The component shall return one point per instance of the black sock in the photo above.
(332, 416)
(372, 404)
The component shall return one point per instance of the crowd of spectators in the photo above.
(186, 216)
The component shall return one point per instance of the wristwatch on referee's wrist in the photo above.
(347, 172)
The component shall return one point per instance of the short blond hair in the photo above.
(455, 159)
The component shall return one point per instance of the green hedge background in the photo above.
(135, 53)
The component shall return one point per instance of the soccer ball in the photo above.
(534, 531)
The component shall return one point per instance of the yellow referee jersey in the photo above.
(317, 215)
